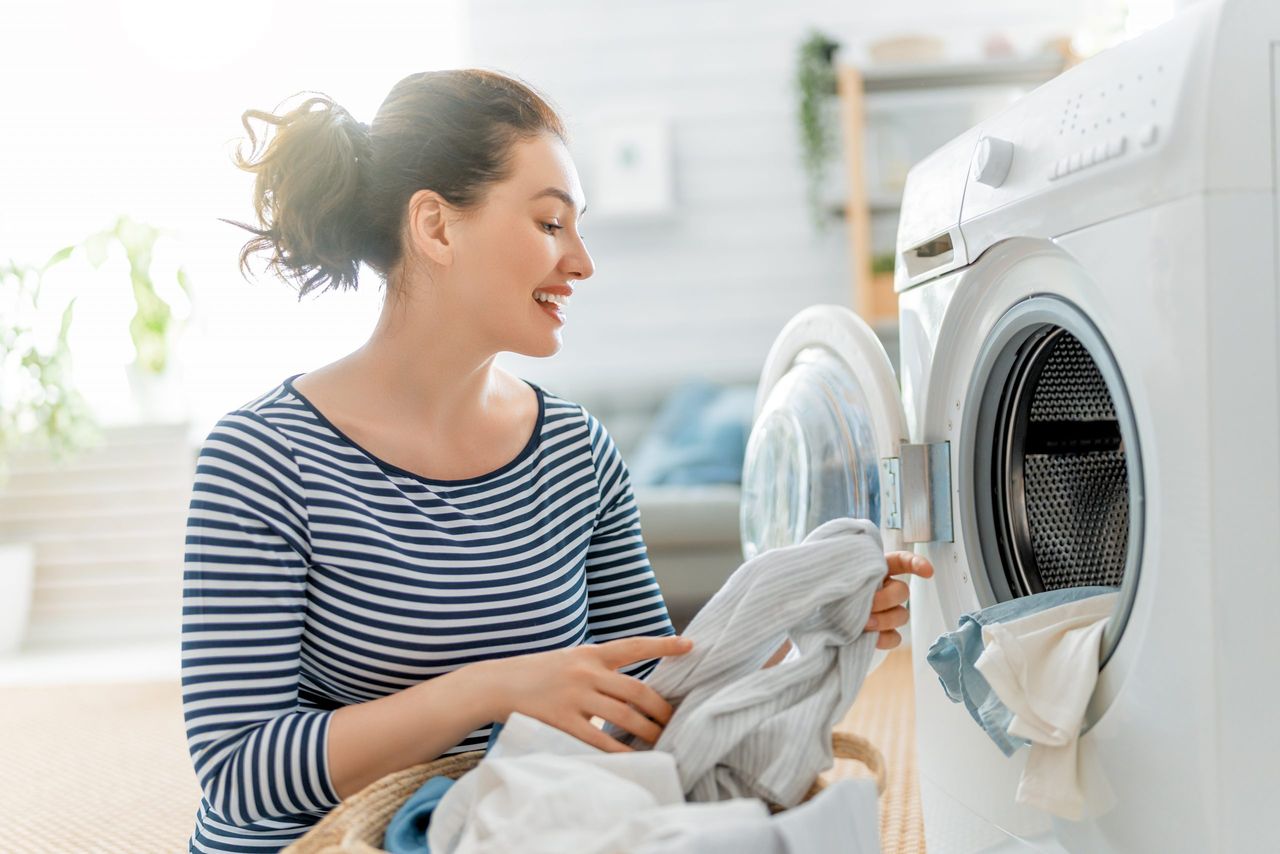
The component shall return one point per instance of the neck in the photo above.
(426, 369)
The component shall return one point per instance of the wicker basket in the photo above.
(358, 824)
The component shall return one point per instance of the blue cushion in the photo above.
(699, 436)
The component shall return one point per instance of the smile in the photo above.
(559, 299)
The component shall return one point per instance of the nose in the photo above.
(577, 263)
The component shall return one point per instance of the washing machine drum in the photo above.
(1062, 483)
(1056, 478)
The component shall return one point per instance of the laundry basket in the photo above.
(358, 824)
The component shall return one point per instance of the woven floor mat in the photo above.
(95, 768)
(885, 714)
(104, 768)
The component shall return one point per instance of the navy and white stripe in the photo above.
(317, 575)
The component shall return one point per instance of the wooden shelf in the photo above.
(941, 75)
(873, 296)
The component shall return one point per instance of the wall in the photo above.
(133, 107)
(705, 290)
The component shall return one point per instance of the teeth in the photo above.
(558, 299)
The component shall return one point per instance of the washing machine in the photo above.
(1088, 394)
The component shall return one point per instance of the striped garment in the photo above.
(740, 731)
(317, 575)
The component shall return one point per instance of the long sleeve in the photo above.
(623, 598)
(256, 755)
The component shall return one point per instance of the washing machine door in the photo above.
(826, 434)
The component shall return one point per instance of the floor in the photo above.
(99, 764)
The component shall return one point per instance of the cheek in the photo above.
(501, 268)
(526, 261)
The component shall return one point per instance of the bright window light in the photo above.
(133, 108)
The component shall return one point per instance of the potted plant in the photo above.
(816, 85)
(39, 409)
(153, 327)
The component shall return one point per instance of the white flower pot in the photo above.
(17, 579)
(156, 398)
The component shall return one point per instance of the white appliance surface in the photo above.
(1132, 203)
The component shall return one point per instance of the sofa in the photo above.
(683, 445)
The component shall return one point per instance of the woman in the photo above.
(390, 553)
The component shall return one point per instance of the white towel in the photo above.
(543, 791)
(843, 818)
(740, 730)
(1044, 668)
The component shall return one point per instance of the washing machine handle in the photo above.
(915, 492)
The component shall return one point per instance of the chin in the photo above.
(540, 349)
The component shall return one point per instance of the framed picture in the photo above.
(631, 168)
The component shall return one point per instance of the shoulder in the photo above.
(257, 432)
(564, 416)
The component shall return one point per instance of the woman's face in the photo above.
(522, 242)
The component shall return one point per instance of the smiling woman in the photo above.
(394, 551)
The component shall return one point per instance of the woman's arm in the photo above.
(256, 754)
(370, 740)
(623, 597)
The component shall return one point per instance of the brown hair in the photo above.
(332, 192)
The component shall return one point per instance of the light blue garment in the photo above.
(407, 831)
(699, 436)
(953, 656)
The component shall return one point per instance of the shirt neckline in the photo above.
(391, 468)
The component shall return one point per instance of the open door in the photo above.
(828, 412)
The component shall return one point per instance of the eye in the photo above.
(554, 228)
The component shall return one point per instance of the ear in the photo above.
(429, 224)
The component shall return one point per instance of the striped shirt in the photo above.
(317, 575)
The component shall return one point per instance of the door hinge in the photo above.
(915, 492)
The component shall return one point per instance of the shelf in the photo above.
(881, 202)
(856, 87)
(938, 75)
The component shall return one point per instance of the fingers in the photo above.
(632, 690)
(618, 653)
(623, 716)
(894, 592)
(888, 640)
(885, 620)
(582, 729)
(909, 562)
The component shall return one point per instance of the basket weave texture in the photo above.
(358, 824)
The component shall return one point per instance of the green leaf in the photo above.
(58, 257)
(66, 320)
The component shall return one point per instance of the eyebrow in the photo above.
(562, 196)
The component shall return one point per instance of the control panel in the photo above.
(1107, 126)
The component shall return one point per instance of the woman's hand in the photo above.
(565, 688)
(887, 613)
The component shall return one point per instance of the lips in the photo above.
(552, 309)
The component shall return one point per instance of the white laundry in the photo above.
(742, 730)
(843, 818)
(524, 797)
(1044, 667)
